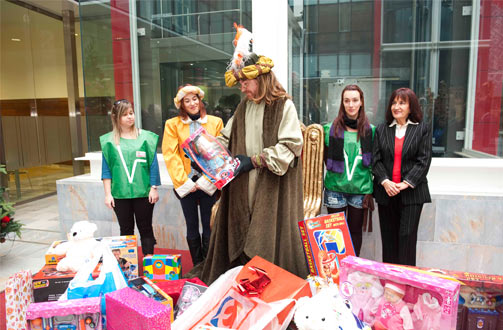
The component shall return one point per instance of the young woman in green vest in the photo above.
(130, 174)
(348, 179)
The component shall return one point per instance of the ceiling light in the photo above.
(15, 39)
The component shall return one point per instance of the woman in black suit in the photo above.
(401, 159)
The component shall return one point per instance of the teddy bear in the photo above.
(326, 310)
(80, 247)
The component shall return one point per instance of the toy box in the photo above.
(479, 297)
(326, 241)
(125, 249)
(149, 289)
(81, 314)
(213, 158)
(129, 309)
(162, 267)
(385, 295)
(190, 293)
(49, 283)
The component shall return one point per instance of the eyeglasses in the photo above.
(120, 101)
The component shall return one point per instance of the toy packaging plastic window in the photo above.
(392, 297)
(77, 314)
(211, 156)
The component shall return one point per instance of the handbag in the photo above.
(111, 278)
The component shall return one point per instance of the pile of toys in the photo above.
(105, 291)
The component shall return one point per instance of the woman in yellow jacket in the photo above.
(190, 185)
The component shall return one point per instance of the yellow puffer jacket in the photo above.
(176, 131)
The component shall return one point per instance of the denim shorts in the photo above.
(336, 200)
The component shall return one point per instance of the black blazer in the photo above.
(416, 160)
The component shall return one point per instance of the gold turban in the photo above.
(252, 71)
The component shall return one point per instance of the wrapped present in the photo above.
(49, 283)
(129, 309)
(391, 296)
(211, 156)
(326, 241)
(174, 288)
(151, 290)
(82, 314)
(124, 248)
(18, 296)
(259, 295)
(162, 267)
(190, 293)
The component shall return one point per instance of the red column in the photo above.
(487, 112)
(121, 46)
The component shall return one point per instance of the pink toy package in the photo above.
(392, 297)
(129, 309)
(81, 314)
(211, 156)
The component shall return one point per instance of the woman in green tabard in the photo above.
(130, 174)
(348, 156)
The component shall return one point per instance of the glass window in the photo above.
(406, 21)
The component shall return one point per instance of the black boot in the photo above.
(147, 245)
(196, 252)
(206, 245)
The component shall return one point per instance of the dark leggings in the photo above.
(191, 214)
(140, 208)
(354, 217)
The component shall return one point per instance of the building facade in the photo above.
(447, 51)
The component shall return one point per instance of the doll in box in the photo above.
(392, 312)
(368, 290)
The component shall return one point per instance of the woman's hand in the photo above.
(153, 196)
(402, 186)
(391, 188)
(109, 201)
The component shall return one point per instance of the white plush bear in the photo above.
(79, 249)
(326, 310)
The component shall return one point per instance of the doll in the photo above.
(368, 290)
(392, 312)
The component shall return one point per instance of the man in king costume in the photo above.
(258, 211)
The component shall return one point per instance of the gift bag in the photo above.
(240, 299)
(18, 296)
(110, 278)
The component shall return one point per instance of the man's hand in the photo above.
(245, 165)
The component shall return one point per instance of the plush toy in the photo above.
(326, 310)
(79, 249)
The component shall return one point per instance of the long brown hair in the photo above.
(362, 120)
(407, 95)
(183, 112)
(118, 109)
(269, 89)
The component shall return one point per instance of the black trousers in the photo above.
(191, 213)
(399, 224)
(140, 208)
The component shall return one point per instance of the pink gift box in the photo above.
(362, 281)
(129, 309)
(66, 307)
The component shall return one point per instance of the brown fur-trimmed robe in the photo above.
(270, 228)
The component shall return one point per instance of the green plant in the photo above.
(7, 222)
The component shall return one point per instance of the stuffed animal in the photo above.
(79, 249)
(326, 310)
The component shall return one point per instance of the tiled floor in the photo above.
(41, 229)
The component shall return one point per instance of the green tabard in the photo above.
(129, 163)
(356, 178)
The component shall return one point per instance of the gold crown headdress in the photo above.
(244, 63)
